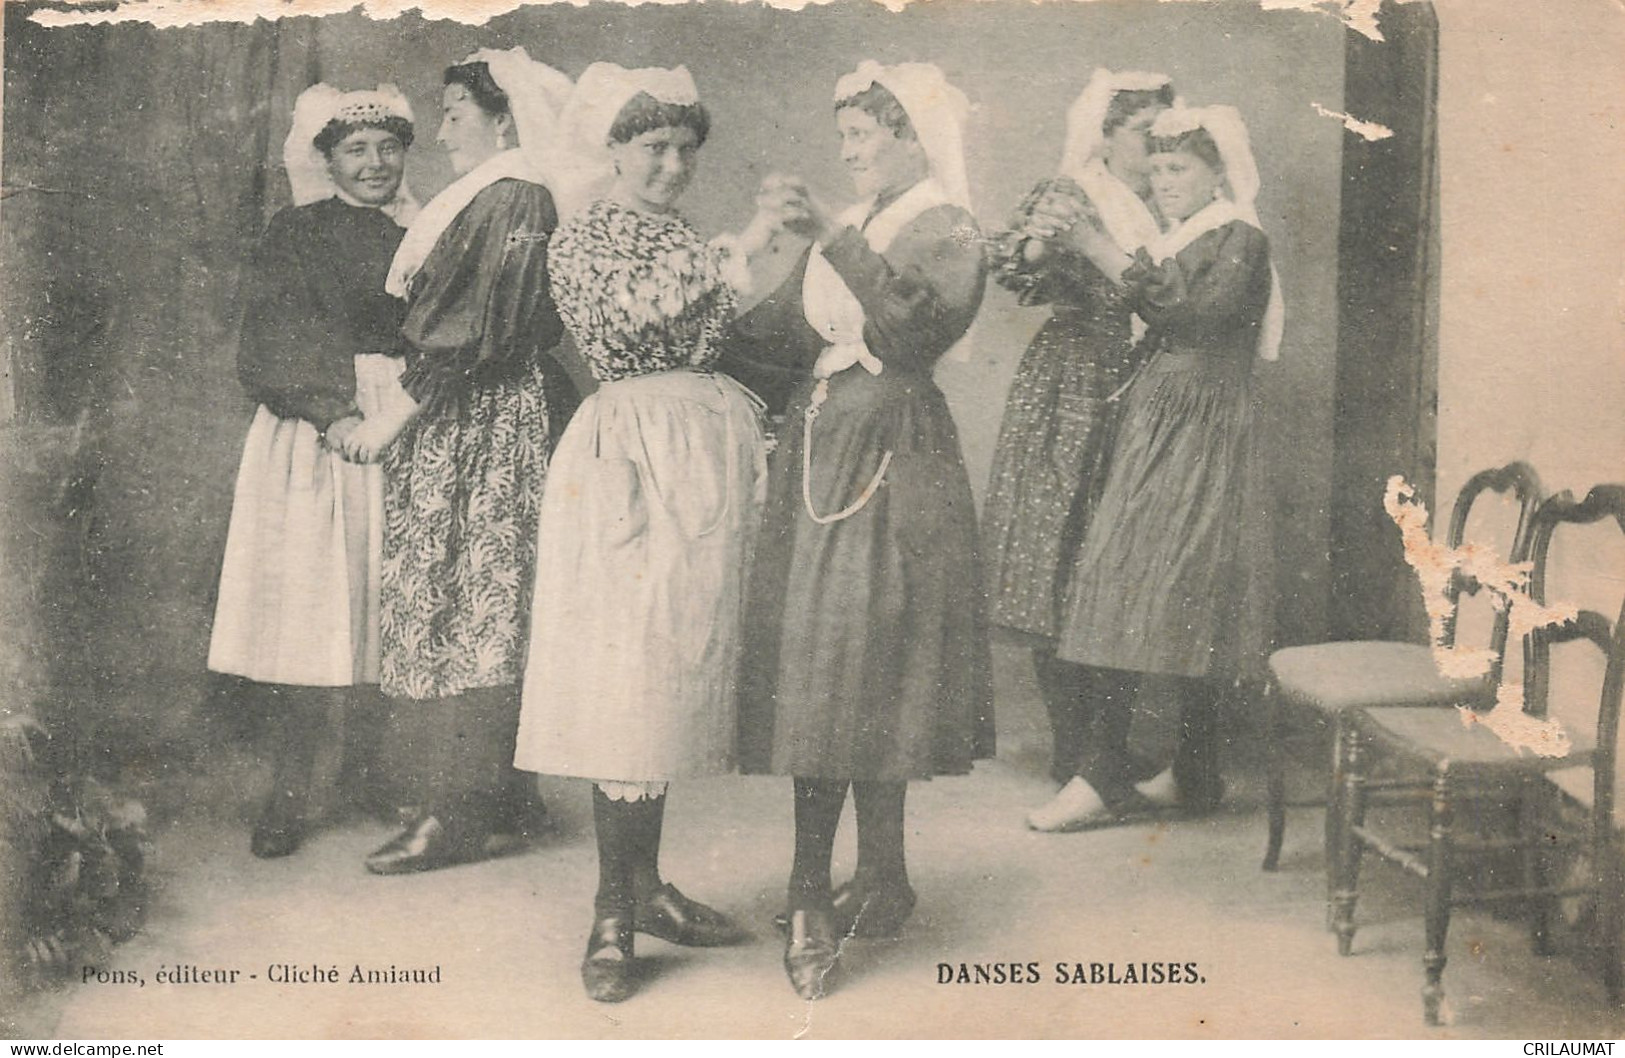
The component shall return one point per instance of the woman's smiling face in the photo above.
(1182, 183)
(367, 165)
(879, 160)
(654, 169)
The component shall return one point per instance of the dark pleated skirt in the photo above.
(1167, 567)
(866, 652)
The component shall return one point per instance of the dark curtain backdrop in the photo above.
(140, 165)
(135, 182)
(1387, 325)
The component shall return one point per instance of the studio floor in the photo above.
(507, 935)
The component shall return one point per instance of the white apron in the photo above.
(298, 601)
(643, 546)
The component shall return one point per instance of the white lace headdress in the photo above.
(601, 92)
(937, 110)
(316, 107)
(1241, 185)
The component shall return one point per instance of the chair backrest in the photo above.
(1602, 502)
(1520, 481)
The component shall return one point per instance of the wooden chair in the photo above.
(1328, 679)
(1464, 762)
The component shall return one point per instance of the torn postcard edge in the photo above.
(1358, 15)
(1369, 130)
(1507, 585)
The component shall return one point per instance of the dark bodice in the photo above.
(314, 301)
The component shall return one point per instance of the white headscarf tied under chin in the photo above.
(601, 93)
(317, 107)
(1087, 115)
(1229, 134)
(535, 92)
(937, 110)
(1128, 220)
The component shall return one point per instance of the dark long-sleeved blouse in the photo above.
(918, 299)
(481, 310)
(315, 301)
(1210, 297)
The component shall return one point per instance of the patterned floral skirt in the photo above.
(464, 485)
(1049, 464)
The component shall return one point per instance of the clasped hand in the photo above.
(364, 440)
(1064, 211)
(785, 203)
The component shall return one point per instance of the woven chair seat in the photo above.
(1333, 677)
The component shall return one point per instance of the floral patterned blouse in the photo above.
(641, 292)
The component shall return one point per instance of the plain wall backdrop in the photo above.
(1531, 329)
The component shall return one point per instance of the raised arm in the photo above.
(1220, 281)
(920, 296)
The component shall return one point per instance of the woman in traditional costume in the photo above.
(298, 601)
(867, 661)
(1049, 464)
(465, 452)
(653, 495)
(1170, 578)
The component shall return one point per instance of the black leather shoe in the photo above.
(867, 914)
(671, 916)
(873, 913)
(606, 971)
(427, 845)
(280, 829)
(274, 838)
(811, 951)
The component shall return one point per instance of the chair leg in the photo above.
(1344, 878)
(1610, 908)
(1334, 812)
(1275, 762)
(1535, 866)
(1438, 896)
